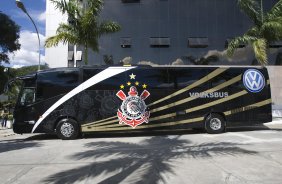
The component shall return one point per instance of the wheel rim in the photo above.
(215, 124)
(67, 129)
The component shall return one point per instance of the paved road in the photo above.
(249, 155)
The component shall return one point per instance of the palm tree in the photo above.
(203, 60)
(148, 161)
(84, 27)
(267, 28)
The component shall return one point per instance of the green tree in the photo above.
(267, 28)
(15, 87)
(3, 79)
(9, 37)
(84, 26)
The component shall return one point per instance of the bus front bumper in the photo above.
(22, 128)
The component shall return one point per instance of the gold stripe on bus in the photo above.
(100, 121)
(226, 113)
(216, 102)
(151, 120)
(204, 79)
(248, 107)
(163, 117)
(221, 86)
(187, 110)
(84, 129)
(96, 124)
(106, 123)
(195, 84)
(231, 97)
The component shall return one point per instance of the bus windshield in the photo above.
(27, 96)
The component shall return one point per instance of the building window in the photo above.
(198, 42)
(277, 44)
(125, 42)
(130, 1)
(70, 55)
(228, 40)
(78, 56)
(159, 42)
(70, 63)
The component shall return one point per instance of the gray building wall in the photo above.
(275, 75)
(177, 20)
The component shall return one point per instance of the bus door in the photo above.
(25, 113)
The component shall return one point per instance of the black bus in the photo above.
(71, 101)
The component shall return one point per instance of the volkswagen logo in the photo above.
(253, 80)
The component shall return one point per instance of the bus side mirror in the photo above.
(8, 85)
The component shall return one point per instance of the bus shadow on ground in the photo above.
(42, 137)
(138, 133)
(17, 144)
(152, 133)
(148, 161)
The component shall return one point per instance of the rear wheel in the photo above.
(215, 124)
(67, 129)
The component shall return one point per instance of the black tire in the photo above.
(67, 129)
(215, 124)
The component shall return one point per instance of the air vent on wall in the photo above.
(159, 42)
(228, 40)
(198, 42)
(277, 44)
(125, 42)
(130, 1)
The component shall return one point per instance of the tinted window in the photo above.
(187, 76)
(88, 73)
(29, 83)
(59, 78)
(153, 78)
(110, 83)
(228, 75)
(53, 83)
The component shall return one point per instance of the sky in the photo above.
(28, 54)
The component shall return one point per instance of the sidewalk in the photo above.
(275, 124)
(5, 132)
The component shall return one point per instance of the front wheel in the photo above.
(67, 129)
(214, 124)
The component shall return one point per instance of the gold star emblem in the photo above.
(122, 86)
(132, 76)
(128, 83)
(144, 86)
(137, 83)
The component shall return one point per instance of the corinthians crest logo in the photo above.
(132, 111)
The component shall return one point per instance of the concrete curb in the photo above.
(5, 132)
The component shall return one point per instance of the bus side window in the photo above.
(28, 96)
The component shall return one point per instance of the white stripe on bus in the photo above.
(105, 74)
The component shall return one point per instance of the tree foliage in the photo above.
(267, 28)
(84, 26)
(9, 37)
(13, 73)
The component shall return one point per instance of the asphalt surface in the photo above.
(242, 155)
